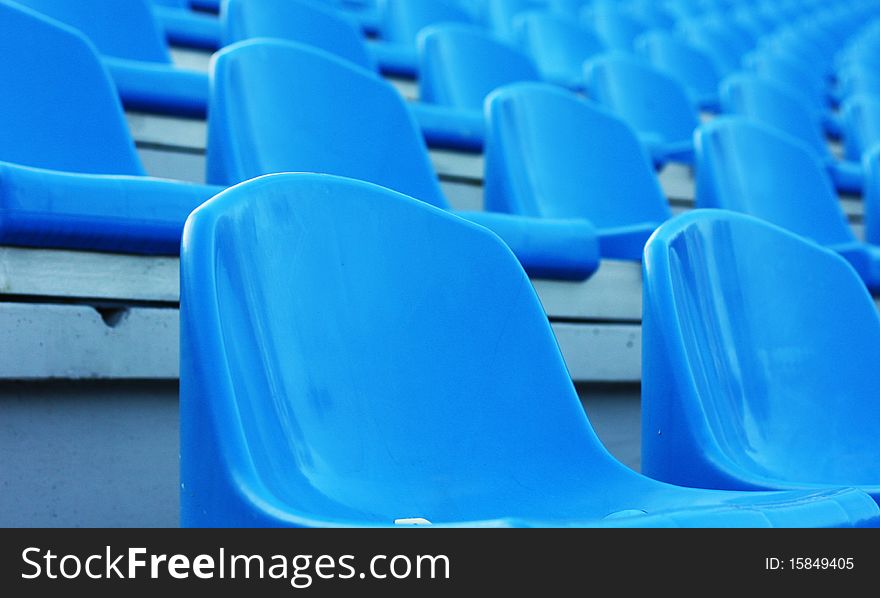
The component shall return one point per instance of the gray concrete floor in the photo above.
(105, 454)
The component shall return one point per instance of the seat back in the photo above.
(749, 167)
(500, 15)
(58, 108)
(774, 105)
(724, 45)
(303, 21)
(551, 154)
(345, 360)
(760, 353)
(337, 119)
(871, 164)
(861, 124)
(118, 28)
(617, 28)
(404, 19)
(689, 65)
(460, 65)
(791, 74)
(647, 99)
(558, 45)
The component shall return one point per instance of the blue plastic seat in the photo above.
(343, 120)
(402, 20)
(617, 28)
(760, 360)
(550, 154)
(871, 162)
(693, 68)
(133, 47)
(501, 15)
(748, 167)
(559, 46)
(311, 395)
(69, 173)
(774, 105)
(304, 21)
(459, 66)
(653, 103)
(567, 8)
(721, 42)
(861, 125)
(186, 28)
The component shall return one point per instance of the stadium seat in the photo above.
(748, 167)
(616, 27)
(760, 353)
(772, 104)
(722, 42)
(306, 22)
(860, 115)
(69, 173)
(871, 162)
(651, 102)
(313, 396)
(459, 66)
(186, 28)
(402, 20)
(692, 67)
(133, 47)
(344, 120)
(303, 21)
(501, 15)
(559, 46)
(551, 154)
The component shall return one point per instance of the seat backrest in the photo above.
(58, 107)
(748, 167)
(344, 353)
(646, 98)
(871, 164)
(500, 15)
(861, 124)
(118, 28)
(617, 28)
(791, 74)
(551, 154)
(567, 8)
(760, 345)
(774, 105)
(403, 19)
(303, 21)
(460, 65)
(558, 45)
(337, 119)
(725, 47)
(692, 67)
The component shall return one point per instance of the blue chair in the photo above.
(550, 154)
(313, 396)
(500, 15)
(811, 89)
(303, 21)
(752, 168)
(617, 28)
(871, 162)
(132, 44)
(860, 115)
(559, 46)
(567, 8)
(651, 102)
(773, 104)
(720, 41)
(760, 360)
(690, 66)
(186, 28)
(402, 20)
(343, 120)
(69, 173)
(459, 66)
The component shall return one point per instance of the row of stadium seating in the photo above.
(356, 352)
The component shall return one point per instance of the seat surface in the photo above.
(756, 377)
